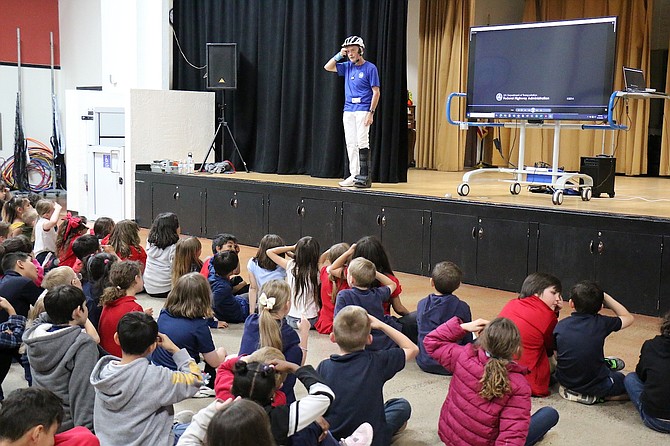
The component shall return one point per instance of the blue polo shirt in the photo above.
(358, 83)
(191, 334)
(371, 299)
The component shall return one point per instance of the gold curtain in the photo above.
(633, 50)
(444, 27)
(664, 168)
(443, 54)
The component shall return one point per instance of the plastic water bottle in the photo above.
(190, 166)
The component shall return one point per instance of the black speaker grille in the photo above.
(221, 66)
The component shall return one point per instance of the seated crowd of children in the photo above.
(102, 370)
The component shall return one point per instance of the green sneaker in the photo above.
(614, 363)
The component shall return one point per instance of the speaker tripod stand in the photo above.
(223, 123)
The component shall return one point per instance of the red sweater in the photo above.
(224, 382)
(137, 254)
(324, 324)
(109, 319)
(536, 323)
(466, 418)
(68, 258)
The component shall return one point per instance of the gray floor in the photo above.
(610, 423)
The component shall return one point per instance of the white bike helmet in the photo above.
(353, 40)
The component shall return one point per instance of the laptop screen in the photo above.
(634, 79)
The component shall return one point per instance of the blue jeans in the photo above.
(634, 387)
(610, 386)
(397, 412)
(540, 423)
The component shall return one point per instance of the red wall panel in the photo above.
(36, 18)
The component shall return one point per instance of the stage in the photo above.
(497, 238)
(638, 196)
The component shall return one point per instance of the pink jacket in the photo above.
(466, 418)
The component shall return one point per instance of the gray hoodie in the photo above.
(133, 402)
(62, 361)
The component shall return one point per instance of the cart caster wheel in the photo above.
(586, 194)
(611, 195)
(557, 198)
(515, 189)
(463, 189)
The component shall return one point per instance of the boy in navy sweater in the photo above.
(357, 375)
(438, 308)
(227, 306)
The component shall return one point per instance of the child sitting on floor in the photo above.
(226, 242)
(225, 374)
(582, 370)
(648, 386)
(118, 299)
(227, 306)
(33, 416)
(62, 355)
(185, 320)
(262, 269)
(357, 375)
(535, 313)
(45, 230)
(330, 286)
(268, 328)
(489, 399)
(134, 398)
(438, 308)
(361, 275)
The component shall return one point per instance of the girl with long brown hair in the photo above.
(125, 280)
(261, 268)
(186, 258)
(125, 239)
(489, 398)
(185, 320)
(302, 275)
(330, 286)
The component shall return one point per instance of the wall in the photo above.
(166, 124)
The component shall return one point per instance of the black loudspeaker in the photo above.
(221, 66)
(602, 169)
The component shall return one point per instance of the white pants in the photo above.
(357, 136)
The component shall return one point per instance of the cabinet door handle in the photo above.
(383, 220)
(379, 220)
(591, 246)
(601, 247)
(480, 233)
(234, 203)
(175, 195)
(474, 232)
(302, 211)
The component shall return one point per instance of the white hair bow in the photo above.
(266, 302)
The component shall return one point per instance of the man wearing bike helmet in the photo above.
(361, 91)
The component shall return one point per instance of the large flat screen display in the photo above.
(560, 70)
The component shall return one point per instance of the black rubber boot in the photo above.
(364, 178)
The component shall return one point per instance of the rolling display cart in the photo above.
(560, 180)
